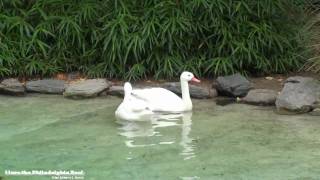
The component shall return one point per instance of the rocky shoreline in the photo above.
(298, 94)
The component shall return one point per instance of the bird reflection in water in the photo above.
(151, 126)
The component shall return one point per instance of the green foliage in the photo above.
(160, 38)
(312, 41)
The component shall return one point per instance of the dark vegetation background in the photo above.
(158, 38)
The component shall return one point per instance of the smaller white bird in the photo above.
(132, 108)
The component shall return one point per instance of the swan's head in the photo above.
(188, 76)
(127, 88)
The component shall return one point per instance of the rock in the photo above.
(299, 95)
(116, 91)
(12, 87)
(213, 92)
(195, 91)
(260, 97)
(86, 88)
(299, 79)
(234, 85)
(315, 112)
(49, 86)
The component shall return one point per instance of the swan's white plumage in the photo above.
(161, 99)
(139, 103)
(164, 100)
(131, 108)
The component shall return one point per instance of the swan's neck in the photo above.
(186, 95)
(127, 95)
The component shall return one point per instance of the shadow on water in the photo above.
(223, 101)
(152, 126)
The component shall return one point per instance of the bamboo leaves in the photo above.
(159, 38)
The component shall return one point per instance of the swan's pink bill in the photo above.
(195, 80)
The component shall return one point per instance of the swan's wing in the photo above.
(152, 94)
(159, 98)
(131, 109)
(137, 105)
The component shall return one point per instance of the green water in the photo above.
(48, 132)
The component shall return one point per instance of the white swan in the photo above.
(163, 100)
(131, 108)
